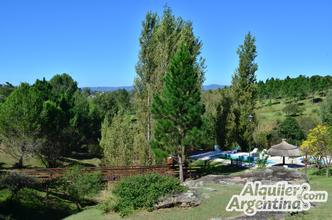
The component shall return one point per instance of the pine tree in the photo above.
(244, 92)
(178, 110)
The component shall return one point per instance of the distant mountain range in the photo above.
(130, 88)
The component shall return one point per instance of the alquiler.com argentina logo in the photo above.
(279, 197)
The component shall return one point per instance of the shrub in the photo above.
(78, 185)
(292, 110)
(15, 182)
(143, 191)
(323, 171)
(262, 159)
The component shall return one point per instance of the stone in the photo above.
(269, 175)
(185, 199)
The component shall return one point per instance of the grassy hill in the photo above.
(271, 111)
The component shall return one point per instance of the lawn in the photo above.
(213, 206)
(324, 210)
(6, 161)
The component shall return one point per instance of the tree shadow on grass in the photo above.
(30, 205)
(215, 169)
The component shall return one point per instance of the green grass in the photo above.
(213, 205)
(270, 114)
(6, 161)
(323, 210)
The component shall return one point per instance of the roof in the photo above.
(284, 149)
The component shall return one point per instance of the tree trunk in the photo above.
(20, 162)
(181, 176)
(327, 171)
(306, 163)
(78, 206)
(148, 135)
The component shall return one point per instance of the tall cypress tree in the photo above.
(145, 69)
(178, 110)
(244, 92)
(159, 40)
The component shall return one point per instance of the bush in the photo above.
(292, 110)
(15, 182)
(78, 185)
(262, 159)
(143, 191)
(322, 172)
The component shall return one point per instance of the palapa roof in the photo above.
(285, 149)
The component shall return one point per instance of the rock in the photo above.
(185, 199)
(269, 175)
(193, 183)
(209, 189)
(205, 196)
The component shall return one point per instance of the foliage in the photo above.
(292, 109)
(20, 124)
(78, 186)
(319, 145)
(291, 130)
(117, 140)
(52, 130)
(244, 92)
(308, 122)
(15, 182)
(178, 110)
(295, 88)
(262, 159)
(326, 110)
(160, 38)
(218, 124)
(110, 103)
(143, 191)
(5, 90)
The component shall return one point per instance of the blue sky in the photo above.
(97, 41)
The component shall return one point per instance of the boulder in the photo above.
(185, 199)
(269, 175)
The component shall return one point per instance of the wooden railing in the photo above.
(110, 173)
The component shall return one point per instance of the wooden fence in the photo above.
(109, 173)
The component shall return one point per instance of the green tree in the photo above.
(117, 140)
(144, 81)
(52, 125)
(292, 109)
(20, 124)
(326, 110)
(160, 38)
(178, 110)
(79, 186)
(291, 130)
(319, 145)
(63, 85)
(5, 90)
(244, 92)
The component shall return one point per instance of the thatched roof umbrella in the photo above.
(284, 149)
